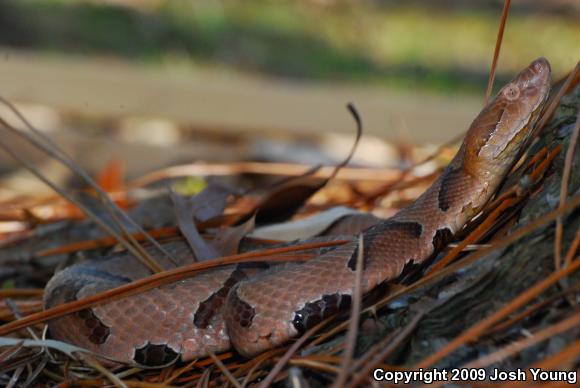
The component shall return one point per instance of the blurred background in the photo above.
(155, 83)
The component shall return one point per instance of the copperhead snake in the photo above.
(253, 310)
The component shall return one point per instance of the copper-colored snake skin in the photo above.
(255, 310)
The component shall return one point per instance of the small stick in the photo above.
(354, 318)
(498, 41)
(553, 104)
(223, 369)
(388, 349)
(50, 148)
(290, 352)
(515, 347)
(563, 194)
(515, 236)
(478, 328)
(153, 281)
(476, 234)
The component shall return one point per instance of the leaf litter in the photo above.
(510, 303)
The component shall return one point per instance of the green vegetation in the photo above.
(405, 46)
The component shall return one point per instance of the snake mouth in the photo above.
(536, 77)
(540, 67)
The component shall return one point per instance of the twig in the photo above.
(538, 171)
(354, 318)
(21, 292)
(498, 42)
(449, 143)
(569, 353)
(263, 168)
(317, 365)
(204, 379)
(15, 377)
(508, 240)
(475, 235)
(476, 330)
(564, 193)
(504, 325)
(250, 373)
(154, 281)
(359, 131)
(9, 351)
(573, 247)
(224, 370)
(49, 147)
(186, 220)
(401, 335)
(175, 374)
(104, 371)
(16, 312)
(554, 102)
(105, 242)
(290, 352)
(516, 347)
(108, 229)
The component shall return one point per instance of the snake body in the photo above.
(254, 310)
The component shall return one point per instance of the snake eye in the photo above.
(511, 92)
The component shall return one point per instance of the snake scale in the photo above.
(253, 310)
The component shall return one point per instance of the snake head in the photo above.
(500, 131)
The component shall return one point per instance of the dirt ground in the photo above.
(228, 102)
